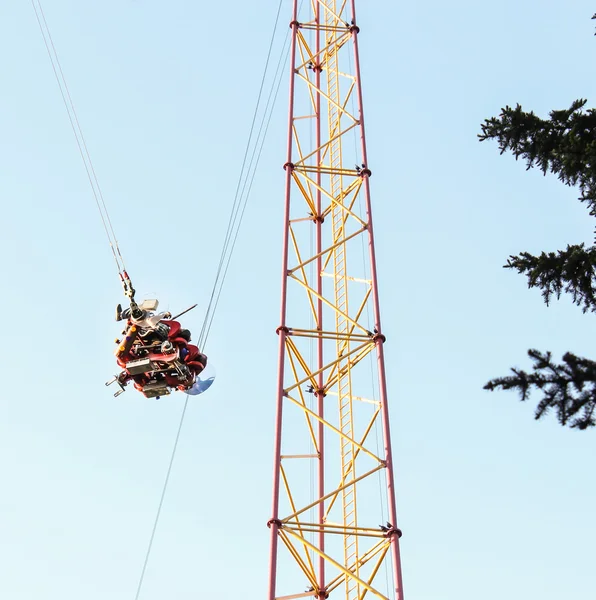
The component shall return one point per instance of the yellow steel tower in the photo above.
(333, 527)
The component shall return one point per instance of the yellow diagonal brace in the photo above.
(328, 303)
(307, 194)
(351, 464)
(321, 93)
(323, 252)
(291, 348)
(336, 15)
(375, 570)
(357, 185)
(309, 375)
(327, 496)
(300, 172)
(354, 188)
(342, 568)
(302, 46)
(301, 267)
(335, 430)
(335, 375)
(341, 204)
(297, 557)
(368, 555)
(313, 374)
(316, 150)
(342, 29)
(306, 45)
(357, 317)
(293, 505)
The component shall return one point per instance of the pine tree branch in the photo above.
(568, 388)
(565, 144)
(572, 270)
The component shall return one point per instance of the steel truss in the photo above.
(332, 397)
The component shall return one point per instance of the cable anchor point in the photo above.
(129, 291)
(389, 530)
(354, 28)
(275, 522)
(379, 336)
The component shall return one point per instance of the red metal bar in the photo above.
(395, 552)
(282, 332)
(320, 358)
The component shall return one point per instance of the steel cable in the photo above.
(243, 189)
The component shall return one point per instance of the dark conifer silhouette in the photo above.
(565, 145)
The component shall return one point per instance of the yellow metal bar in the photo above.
(285, 456)
(359, 399)
(322, 27)
(347, 531)
(330, 335)
(333, 528)
(354, 279)
(327, 170)
(300, 220)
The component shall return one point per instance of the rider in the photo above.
(150, 322)
(152, 327)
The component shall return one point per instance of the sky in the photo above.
(492, 503)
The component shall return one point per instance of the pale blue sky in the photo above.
(492, 504)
